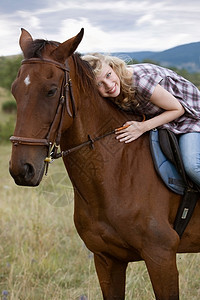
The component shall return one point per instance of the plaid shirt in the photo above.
(145, 79)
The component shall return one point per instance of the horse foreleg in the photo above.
(112, 275)
(164, 275)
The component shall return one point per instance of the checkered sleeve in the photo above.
(146, 84)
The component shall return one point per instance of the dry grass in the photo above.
(41, 255)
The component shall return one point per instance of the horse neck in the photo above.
(96, 116)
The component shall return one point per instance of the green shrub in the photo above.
(6, 130)
(9, 106)
(9, 67)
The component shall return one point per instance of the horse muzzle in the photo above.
(24, 174)
(27, 165)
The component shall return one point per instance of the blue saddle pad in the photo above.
(164, 167)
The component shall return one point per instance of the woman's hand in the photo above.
(130, 133)
(161, 98)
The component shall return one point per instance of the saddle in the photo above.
(169, 165)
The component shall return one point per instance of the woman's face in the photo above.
(108, 82)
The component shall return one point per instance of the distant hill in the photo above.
(185, 56)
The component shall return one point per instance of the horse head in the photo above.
(45, 104)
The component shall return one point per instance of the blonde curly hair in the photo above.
(126, 100)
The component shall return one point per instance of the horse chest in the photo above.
(100, 236)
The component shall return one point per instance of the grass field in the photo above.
(41, 255)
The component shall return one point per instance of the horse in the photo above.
(122, 210)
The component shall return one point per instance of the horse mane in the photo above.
(84, 73)
(36, 48)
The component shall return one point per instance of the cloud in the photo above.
(7, 35)
(110, 25)
(30, 19)
(149, 19)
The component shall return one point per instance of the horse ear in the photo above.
(67, 48)
(25, 40)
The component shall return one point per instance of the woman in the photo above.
(167, 100)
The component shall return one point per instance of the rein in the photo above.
(90, 142)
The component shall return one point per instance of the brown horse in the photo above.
(123, 212)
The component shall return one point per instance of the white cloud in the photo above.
(109, 25)
(112, 6)
(9, 44)
(29, 19)
(93, 36)
(149, 19)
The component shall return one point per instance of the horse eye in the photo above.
(51, 92)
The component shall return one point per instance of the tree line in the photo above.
(10, 65)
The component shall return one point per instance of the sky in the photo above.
(110, 25)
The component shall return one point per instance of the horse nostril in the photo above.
(23, 174)
(29, 172)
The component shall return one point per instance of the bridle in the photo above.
(66, 100)
(52, 141)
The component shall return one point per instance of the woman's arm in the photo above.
(161, 98)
